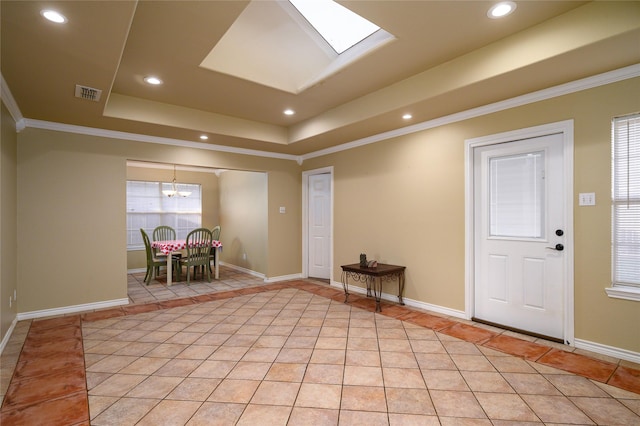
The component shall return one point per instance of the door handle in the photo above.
(558, 247)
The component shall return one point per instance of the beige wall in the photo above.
(402, 201)
(244, 219)
(8, 220)
(136, 259)
(72, 206)
(399, 201)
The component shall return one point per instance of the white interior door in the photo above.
(319, 224)
(519, 239)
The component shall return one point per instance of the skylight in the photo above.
(339, 26)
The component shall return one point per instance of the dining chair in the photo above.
(164, 233)
(154, 263)
(215, 233)
(198, 251)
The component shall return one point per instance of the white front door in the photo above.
(519, 235)
(319, 225)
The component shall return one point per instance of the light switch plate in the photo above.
(587, 199)
(283, 210)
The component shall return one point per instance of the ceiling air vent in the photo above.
(88, 93)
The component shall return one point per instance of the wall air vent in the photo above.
(88, 93)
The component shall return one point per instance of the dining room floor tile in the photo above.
(238, 351)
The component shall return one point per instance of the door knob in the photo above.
(559, 232)
(558, 247)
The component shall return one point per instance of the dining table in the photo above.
(168, 247)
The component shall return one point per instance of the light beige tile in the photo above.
(398, 359)
(571, 385)
(194, 389)
(606, 411)
(435, 361)
(501, 406)
(450, 380)
(213, 369)
(317, 395)
(264, 414)
(117, 385)
(363, 358)
(301, 416)
(363, 398)
(556, 409)
(170, 412)
(324, 373)
(154, 387)
(276, 393)
(486, 381)
(111, 364)
(125, 411)
(217, 414)
(534, 384)
(456, 404)
(328, 356)
(412, 420)
(349, 417)
(286, 372)
(472, 362)
(249, 370)
(403, 378)
(409, 401)
(236, 391)
(363, 376)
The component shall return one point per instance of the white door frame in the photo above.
(566, 129)
(305, 220)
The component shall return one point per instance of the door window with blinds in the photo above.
(516, 195)
(626, 201)
(148, 207)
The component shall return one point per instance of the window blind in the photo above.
(148, 207)
(626, 200)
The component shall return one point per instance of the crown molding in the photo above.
(626, 73)
(621, 74)
(114, 134)
(10, 103)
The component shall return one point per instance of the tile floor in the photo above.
(240, 352)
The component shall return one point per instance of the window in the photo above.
(147, 208)
(339, 26)
(626, 206)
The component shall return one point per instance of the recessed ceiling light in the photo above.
(152, 80)
(204, 137)
(53, 16)
(407, 117)
(501, 9)
(289, 112)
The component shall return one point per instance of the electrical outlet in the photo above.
(587, 199)
(244, 256)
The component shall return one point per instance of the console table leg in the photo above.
(345, 286)
(401, 287)
(377, 292)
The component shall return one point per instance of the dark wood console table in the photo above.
(373, 278)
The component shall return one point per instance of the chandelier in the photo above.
(174, 187)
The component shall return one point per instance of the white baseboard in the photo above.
(72, 309)
(599, 348)
(245, 270)
(7, 336)
(408, 302)
(283, 278)
(136, 270)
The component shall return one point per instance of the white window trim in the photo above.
(620, 290)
